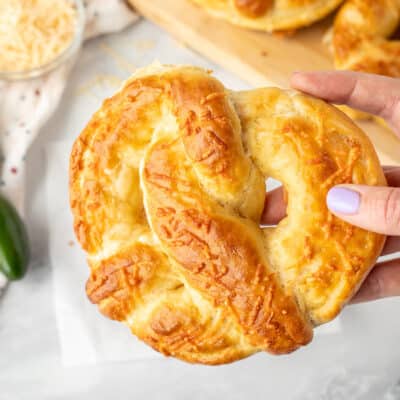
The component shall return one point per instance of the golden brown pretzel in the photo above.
(360, 36)
(270, 15)
(167, 185)
(360, 39)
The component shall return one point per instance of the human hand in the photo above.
(374, 208)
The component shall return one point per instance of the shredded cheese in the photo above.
(34, 32)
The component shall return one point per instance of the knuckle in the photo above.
(374, 286)
(391, 209)
(390, 108)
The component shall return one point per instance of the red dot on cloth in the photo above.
(37, 92)
(13, 170)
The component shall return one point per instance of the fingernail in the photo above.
(343, 201)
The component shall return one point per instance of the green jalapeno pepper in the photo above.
(14, 242)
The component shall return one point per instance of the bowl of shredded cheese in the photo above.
(37, 36)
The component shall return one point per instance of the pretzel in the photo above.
(361, 40)
(270, 15)
(360, 37)
(167, 186)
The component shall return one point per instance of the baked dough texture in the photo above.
(167, 185)
(361, 37)
(270, 15)
(361, 41)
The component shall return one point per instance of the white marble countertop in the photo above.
(364, 357)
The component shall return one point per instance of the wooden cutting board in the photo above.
(258, 58)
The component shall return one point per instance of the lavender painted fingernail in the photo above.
(343, 201)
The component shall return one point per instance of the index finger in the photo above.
(374, 94)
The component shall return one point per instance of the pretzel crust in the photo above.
(167, 188)
(270, 15)
(361, 33)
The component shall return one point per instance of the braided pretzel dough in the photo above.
(360, 40)
(167, 186)
(360, 33)
(270, 15)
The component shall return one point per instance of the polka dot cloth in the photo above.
(26, 105)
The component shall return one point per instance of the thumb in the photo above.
(373, 208)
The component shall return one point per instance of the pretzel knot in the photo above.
(167, 185)
(360, 37)
(270, 15)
